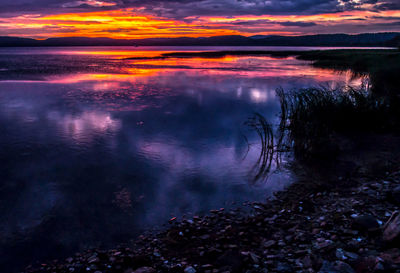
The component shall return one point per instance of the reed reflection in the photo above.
(93, 140)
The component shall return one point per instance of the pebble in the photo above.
(339, 230)
(190, 269)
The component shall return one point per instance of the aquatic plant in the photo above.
(273, 145)
(264, 130)
(313, 118)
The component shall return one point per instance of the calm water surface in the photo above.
(94, 148)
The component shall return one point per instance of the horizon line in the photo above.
(212, 36)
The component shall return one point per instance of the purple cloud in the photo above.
(179, 9)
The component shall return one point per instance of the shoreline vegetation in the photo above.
(359, 60)
(341, 216)
(381, 65)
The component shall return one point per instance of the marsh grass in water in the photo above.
(265, 132)
(315, 122)
(313, 118)
(272, 146)
(381, 65)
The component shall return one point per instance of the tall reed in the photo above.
(311, 118)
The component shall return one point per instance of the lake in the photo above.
(95, 148)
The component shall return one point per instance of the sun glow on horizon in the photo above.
(133, 24)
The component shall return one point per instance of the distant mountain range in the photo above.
(366, 39)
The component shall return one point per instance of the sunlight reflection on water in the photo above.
(95, 148)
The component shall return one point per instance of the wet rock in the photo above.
(352, 257)
(340, 254)
(269, 243)
(394, 195)
(307, 262)
(336, 267)
(391, 256)
(392, 228)
(284, 267)
(231, 259)
(190, 269)
(205, 237)
(144, 270)
(346, 256)
(379, 267)
(365, 223)
(367, 264)
(324, 245)
(254, 257)
(93, 259)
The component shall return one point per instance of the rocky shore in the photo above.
(340, 226)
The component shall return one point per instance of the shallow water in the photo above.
(95, 148)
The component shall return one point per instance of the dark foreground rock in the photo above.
(339, 227)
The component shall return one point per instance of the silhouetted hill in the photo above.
(366, 39)
(15, 41)
(81, 41)
(395, 42)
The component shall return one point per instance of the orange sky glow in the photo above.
(133, 24)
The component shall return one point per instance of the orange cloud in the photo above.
(113, 24)
(132, 24)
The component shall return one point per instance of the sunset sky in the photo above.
(193, 18)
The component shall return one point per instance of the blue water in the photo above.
(95, 148)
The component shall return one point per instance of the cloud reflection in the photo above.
(258, 95)
(83, 128)
(111, 149)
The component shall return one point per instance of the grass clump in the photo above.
(382, 66)
(314, 118)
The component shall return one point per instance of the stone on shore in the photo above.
(365, 223)
(392, 228)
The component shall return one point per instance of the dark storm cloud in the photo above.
(297, 24)
(389, 5)
(10, 8)
(386, 18)
(179, 9)
(264, 22)
(186, 8)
